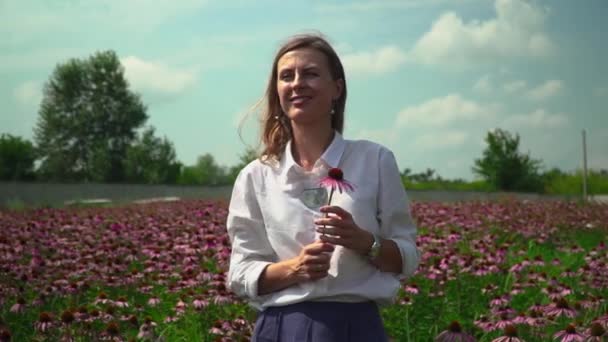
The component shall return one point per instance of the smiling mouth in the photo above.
(299, 99)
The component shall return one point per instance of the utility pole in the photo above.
(584, 167)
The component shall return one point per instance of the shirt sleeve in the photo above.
(394, 213)
(251, 250)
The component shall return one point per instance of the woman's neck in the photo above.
(309, 143)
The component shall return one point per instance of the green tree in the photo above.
(504, 167)
(206, 171)
(152, 160)
(250, 154)
(17, 157)
(87, 120)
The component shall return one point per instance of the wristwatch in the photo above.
(375, 249)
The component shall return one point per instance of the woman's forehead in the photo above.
(302, 58)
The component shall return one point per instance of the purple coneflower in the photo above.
(18, 307)
(454, 333)
(335, 180)
(560, 308)
(146, 330)
(153, 301)
(44, 323)
(121, 302)
(510, 335)
(569, 335)
(596, 333)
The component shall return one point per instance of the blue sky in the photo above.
(427, 78)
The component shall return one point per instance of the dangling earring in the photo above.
(333, 108)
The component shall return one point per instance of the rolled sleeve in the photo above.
(394, 214)
(251, 250)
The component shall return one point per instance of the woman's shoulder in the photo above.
(368, 148)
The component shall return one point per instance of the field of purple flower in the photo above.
(538, 270)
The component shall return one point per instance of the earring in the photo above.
(333, 108)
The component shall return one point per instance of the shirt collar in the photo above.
(331, 157)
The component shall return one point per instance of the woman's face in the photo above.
(305, 86)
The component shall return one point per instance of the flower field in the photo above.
(490, 270)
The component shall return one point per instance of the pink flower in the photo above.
(153, 301)
(568, 335)
(510, 335)
(454, 333)
(335, 180)
(44, 323)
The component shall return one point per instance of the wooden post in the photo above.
(584, 167)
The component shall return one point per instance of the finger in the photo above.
(329, 221)
(335, 240)
(345, 215)
(318, 248)
(322, 258)
(335, 231)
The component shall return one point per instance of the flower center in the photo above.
(336, 173)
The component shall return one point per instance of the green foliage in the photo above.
(87, 120)
(430, 180)
(249, 155)
(152, 160)
(504, 167)
(206, 171)
(559, 182)
(17, 158)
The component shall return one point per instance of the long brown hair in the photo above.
(276, 129)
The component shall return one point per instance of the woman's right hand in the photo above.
(313, 262)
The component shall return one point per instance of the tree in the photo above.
(504, 167)
(206, 171)
(152, 160)
(17, 158)
(249, 155)
(87, 120)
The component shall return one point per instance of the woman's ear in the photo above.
(339, 88)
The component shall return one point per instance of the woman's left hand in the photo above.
(342, 230)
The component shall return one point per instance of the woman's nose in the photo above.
(298, 80)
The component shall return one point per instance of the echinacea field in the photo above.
(490, 271)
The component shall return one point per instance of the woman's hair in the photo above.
(276, 129)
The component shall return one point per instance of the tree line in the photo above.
(92, 128)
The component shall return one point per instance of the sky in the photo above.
(426, 78)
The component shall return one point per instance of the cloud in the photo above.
(29, 93)
(545, 90)
(536, 119)
(515, 86)
(157, 77)
(382, 60)
(443, 110)
(441, 139)
(516, 31)
(483, 85)
(382, 5)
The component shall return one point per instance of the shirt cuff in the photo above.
(252, 279)
(410, 258)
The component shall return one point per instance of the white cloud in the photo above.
(443, 110)
(29, 93)
(155, 76)
(545, 90)
(515, 86)
(385, 59)
(483, 85)
(441, 140)
(516, 31)
(536, 119)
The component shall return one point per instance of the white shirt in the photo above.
(269, 222)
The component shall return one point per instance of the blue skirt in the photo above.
(320, 322)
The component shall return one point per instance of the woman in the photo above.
(318, 273)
